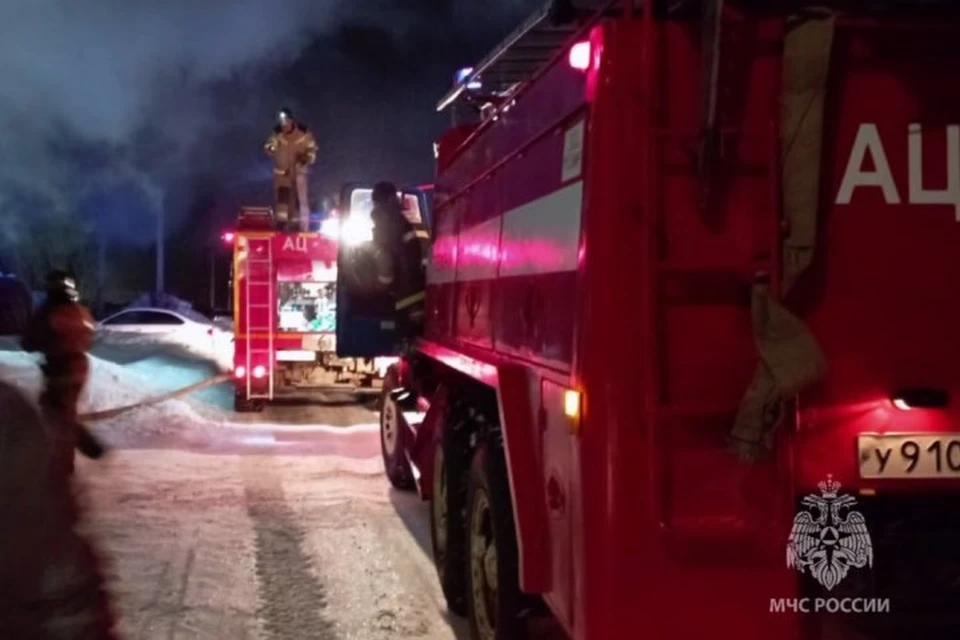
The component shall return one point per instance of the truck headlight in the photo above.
(356, 231)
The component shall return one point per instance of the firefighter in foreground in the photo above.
(294, 150)
(62, 330)
(51, 580)
(401, 250)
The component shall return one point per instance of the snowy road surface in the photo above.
(277, 527)
(292, 547)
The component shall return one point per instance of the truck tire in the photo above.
(393, 437)
(448, 507)
(493, 594)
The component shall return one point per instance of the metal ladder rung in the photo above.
(261, 253)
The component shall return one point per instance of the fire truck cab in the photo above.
(687, 369)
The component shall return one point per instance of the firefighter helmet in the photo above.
(384, 192)
(61, 283)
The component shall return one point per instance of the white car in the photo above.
(189, 330)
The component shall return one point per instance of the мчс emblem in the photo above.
(829, 537)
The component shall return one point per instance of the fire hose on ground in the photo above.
(107, 414)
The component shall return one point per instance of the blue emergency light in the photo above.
(462, 76)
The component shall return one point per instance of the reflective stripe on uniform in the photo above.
(418, 234)
(410, 300)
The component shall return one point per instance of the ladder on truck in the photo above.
(699, 282)
(259, 279)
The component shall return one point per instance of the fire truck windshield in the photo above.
(307, 306)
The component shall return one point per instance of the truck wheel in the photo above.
(447, 529)
(393, 437)
(494, 597)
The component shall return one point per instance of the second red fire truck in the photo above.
(288, 290)
(688, 368)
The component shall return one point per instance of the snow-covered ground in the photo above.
(221, 529)
(238, 547)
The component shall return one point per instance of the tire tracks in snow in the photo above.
(292, 598)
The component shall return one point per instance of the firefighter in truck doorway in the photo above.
(62, 330)
(401, 248)
(294, 150)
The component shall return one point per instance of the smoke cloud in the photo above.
(113, 110)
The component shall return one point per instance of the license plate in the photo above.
(909, 455)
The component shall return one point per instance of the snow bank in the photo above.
(110, 385)
(215, 352)
(192, 424)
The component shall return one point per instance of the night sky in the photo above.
(111, 110)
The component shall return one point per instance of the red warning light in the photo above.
(228, 237)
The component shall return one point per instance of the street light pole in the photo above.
(101, 269)
(213, 280)
(160, 250)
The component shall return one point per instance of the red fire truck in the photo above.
(686, 371)
(284, 301)
(288, 291)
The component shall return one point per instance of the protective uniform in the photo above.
(401, 250)
(51, 581)
(62, 329)
(293, 151)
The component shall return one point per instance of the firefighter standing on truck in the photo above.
(401, 249)
(294, 150)
(62, 330)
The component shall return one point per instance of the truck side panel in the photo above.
(442, 272)
(516, 284)
(504, 270)
(559, 92)
(477, 246)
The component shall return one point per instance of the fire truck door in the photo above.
(366, 324)
(366, 307)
